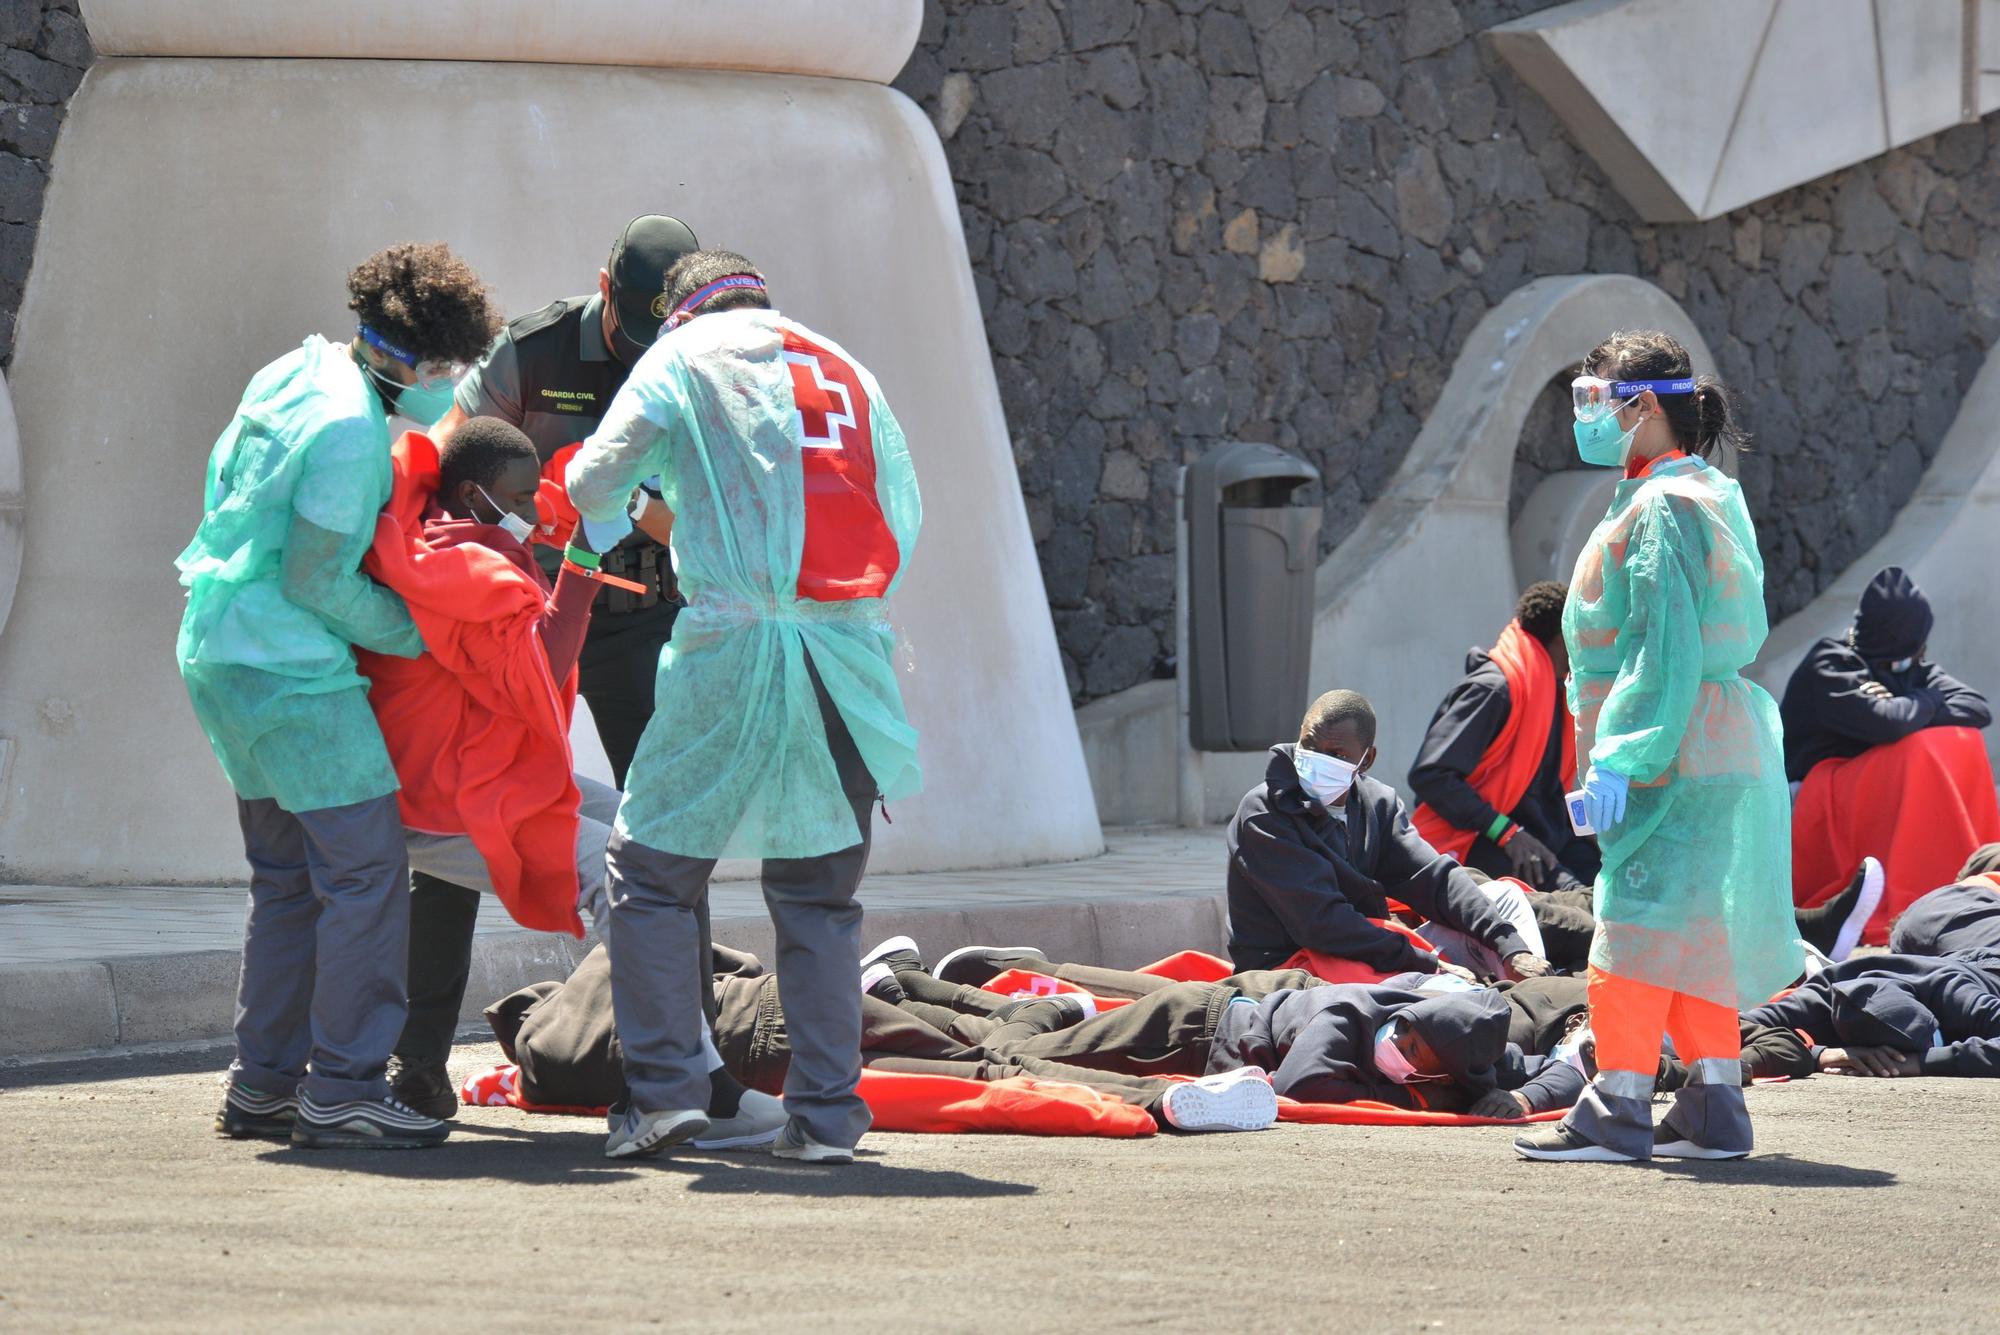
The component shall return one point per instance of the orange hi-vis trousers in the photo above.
(1627, 1019)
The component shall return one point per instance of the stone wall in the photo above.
(43, 54)
(1200, 220)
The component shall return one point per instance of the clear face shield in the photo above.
(1593, 398)
(431, 374)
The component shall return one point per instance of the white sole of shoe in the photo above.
(666, 1129)
(1864, 909)
(1585, 1154)
(813, 1154)
(750, 1141)
(1240, 1101)
(890, 947)
(1687, 1149)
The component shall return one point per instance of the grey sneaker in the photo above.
(365, 1124)
(758, 1120)
(246, 1114)
(793, 1143)
(640, 1132)
(1560, 1144)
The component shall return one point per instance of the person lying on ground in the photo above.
(563, 1036)
(477, 727)
(1964, 915)
(1898, 1015)
(1319, 848)
(1884, 749)
(1406, 1041)
(1500, 756)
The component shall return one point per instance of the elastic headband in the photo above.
(1626, 389)
(386, 346)
(701, 294)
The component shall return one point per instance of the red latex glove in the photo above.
(557, 517)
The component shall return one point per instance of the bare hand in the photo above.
(1525, 965)
(1884, 1062)
(1531, 859)
(1456, 972)
(1875, 690)
(1501, 1105)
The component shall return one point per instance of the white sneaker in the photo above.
(640, 1132)
(1864, 909)
(793, 1143)
(758, 1120)
(1239, 1100)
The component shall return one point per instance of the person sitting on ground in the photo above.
(1319, 848)
(1500, 756)
(1898, 1015)
(476, 728)
(1886, 751)
(1964, 915)
(564, 1039)
(1414, 1040)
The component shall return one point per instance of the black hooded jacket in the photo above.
(1461, 731)
(1318, 1044)
(1826, 714)
(1904, 1002)
(1301, 877)
(1963, 916)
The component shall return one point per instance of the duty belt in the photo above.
(647, 564)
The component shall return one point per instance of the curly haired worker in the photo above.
(1686, 781)
(276, 604)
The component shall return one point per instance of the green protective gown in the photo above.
(1665, 609)
(276, 596)
(735, 761)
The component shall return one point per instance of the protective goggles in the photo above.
(430, 374)
(1593, 397)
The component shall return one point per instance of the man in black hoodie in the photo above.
(1884, 747)
(1319, 848)
(1964, 915)
(1898, 1015)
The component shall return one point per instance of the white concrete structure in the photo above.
(1948, 538)
(1697, 107)
(204, 214)
(1431, 568)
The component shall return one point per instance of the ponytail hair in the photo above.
(1704, 422)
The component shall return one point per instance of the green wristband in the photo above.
(578, 556)
(1497, 828)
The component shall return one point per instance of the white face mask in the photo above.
(1389, 1058)
(1326, 778)
(517, 528)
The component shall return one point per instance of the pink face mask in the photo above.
(1389, 1058)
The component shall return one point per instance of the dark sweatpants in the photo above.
(1169, 1032)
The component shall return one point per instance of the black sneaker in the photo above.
(1835, 927)
(900, 953)
(878, 980)
(365, 1124)
(249, 1115)
(975, 966)
(423, 1086)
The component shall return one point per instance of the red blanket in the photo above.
(1921, 806)
(478, 727)
(1503, 774)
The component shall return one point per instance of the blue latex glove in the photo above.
(1604, 797)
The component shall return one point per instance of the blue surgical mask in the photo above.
(517, 528)
(1601, 443)
(1903, 664)
(1325, 778)
(425, 404)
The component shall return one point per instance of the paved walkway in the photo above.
(92, 967)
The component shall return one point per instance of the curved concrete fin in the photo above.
(1429, 571)
(13, 500)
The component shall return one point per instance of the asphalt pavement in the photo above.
(1871, 1203)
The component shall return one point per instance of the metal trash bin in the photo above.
(1251, 557)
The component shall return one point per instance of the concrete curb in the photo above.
(132, 1000)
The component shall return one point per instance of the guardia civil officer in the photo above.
(552, 373)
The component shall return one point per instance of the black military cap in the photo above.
(644, 252)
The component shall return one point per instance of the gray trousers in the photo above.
(455, 858)
(660, 967)
(320, 1002)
